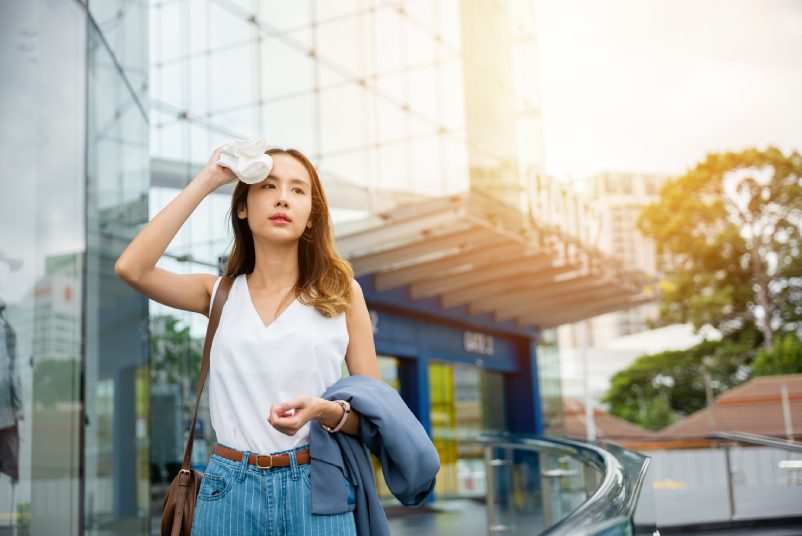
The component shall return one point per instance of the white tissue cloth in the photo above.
(247, 159)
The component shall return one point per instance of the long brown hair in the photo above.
(324, 278)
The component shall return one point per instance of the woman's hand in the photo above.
(215, 174)
(289, 417)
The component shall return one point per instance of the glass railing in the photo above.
(731, 481)
(538, 485)
(763, 476)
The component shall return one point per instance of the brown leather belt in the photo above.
(263, 461)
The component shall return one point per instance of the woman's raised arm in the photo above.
(137, 264)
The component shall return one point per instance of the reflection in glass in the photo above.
(42, 240)
(116, 474)
(465, 401)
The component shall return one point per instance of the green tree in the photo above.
(175, 356)
(678, 378)
(784, 358)
(658, 413)
(55, 380)
(732, 226)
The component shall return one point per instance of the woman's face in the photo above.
(287, 190)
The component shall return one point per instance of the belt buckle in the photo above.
(259, 465)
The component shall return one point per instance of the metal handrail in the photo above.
(755, 439)
(613, 501)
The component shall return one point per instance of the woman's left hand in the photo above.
(285, 420)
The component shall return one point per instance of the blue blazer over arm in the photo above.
(392, 433)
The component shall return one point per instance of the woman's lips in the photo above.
(279, 220)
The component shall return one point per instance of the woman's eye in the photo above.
(299, 190)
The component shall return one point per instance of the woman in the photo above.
(293, 314)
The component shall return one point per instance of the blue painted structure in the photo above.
(421, 331)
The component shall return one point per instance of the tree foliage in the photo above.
(785, 357)
(175, 356)
(678, 377)
(732, 226)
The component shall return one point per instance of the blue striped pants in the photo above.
(236, 498)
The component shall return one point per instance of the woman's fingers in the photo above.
(285, 419)
(298, 403)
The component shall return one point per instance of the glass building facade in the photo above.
(75, 186)
(113, 107)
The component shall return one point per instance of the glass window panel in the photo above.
(291, 123)
(425, 170)
(200, 102)
(117, 447)
(286, 70)
(42, 244)
(121, 136)
(386, 39)
(455, 159)
(330, 75)
(190, 143)
(341, 119)
(232, 75)
(452, 95)
(423, 83)
(166, 139)
(458, 395)
(165, 40)
(548, 364)
(243, 120)
(419, 44)
(341, 41)
(422, 11)
(391, 87)
(324, 9)
(278, 15)
(124, 26)
(225, 27)
(419, 128)
(393, 167)
(167, 84)
(391, 122)
(448, 22)
(349, 166)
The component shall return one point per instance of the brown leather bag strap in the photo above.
(214, 319)
(178, 515)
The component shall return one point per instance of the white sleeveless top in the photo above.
(253, 366)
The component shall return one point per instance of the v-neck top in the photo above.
(253, 366)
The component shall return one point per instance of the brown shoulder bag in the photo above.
(179, 503)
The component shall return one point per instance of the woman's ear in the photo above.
(242, 213)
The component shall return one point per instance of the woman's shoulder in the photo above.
(215, 285)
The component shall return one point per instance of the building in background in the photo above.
(615, 339)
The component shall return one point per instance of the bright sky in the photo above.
(652, 86)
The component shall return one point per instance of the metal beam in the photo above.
(582, 314)
(539, 272)
(584, 285)
(405, 231)
(463, 261)
(479, 276)
(535, 293)
(462, 239)
(560, 304)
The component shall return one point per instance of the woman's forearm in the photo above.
(150, 243)
(333, 413)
